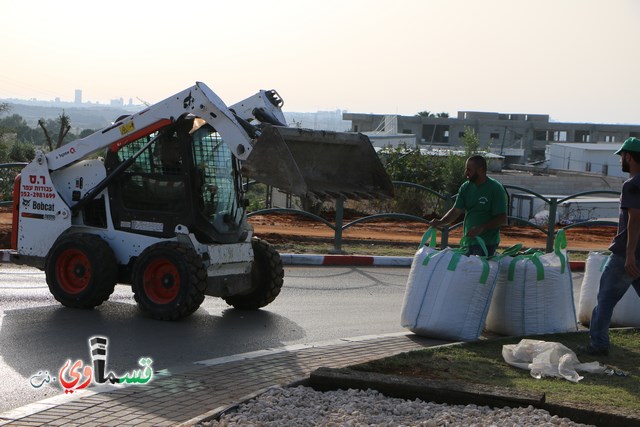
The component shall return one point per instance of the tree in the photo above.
(454, 171)
(4, 107)
(471, 141)
(410, 165)
(64, 127)
(86, 132)
(425, 114)
(430, 114)
(443, 174)
(21, 152)
(16, 124)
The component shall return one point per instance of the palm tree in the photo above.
(425, 114)
(430, 114)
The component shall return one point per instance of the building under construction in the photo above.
(520, 138)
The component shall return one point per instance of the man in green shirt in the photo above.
(483, 200)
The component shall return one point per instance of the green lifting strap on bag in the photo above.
(558, 246)
(510, 251)
(455, 259)
(466, 242)
(464, 245)
(429, 238)
(427, 258)
(534, 260)
(530, 251)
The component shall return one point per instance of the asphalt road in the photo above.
(317, 304)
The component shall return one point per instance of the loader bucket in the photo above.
(322, 163)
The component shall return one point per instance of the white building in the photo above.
(386, 135)
(398, 140)
(529, 207)
(597, 158)
(521, 137)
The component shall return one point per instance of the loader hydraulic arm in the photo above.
(300, 161)
(198, 100)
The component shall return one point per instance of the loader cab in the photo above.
(187, 175)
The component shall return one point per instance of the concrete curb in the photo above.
(577, 265)
(347, 260)
(367, 260)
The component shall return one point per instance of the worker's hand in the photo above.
(475, 231)
(631, 267)
(435, 223)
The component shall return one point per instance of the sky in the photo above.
(576, 60)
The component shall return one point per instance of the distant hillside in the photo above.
(81, 117)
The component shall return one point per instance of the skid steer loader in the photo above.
(164, 210)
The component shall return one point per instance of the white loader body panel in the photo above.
(43, 214)
(229, 259)
(73, 182)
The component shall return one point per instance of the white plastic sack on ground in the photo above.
(448, 293)
(590, 283)
(625, 313)
(548, 359)
(534, 294)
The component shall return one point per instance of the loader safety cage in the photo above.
(179, 178)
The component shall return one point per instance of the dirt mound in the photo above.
(6, 221)
(293, 227)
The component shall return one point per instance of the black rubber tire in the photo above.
(169, 281)
(267, 277)
(81, 270)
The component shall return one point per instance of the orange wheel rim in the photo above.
(161, 281)
(73, 271)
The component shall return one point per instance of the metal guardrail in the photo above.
(553, 203)
(550, 230)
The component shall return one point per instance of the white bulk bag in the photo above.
(625, 313)
(534, 294)
(590, 284)
(448, 293)
(414, 294)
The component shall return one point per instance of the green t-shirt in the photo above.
(482, 203)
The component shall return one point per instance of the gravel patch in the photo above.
(304, 406)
